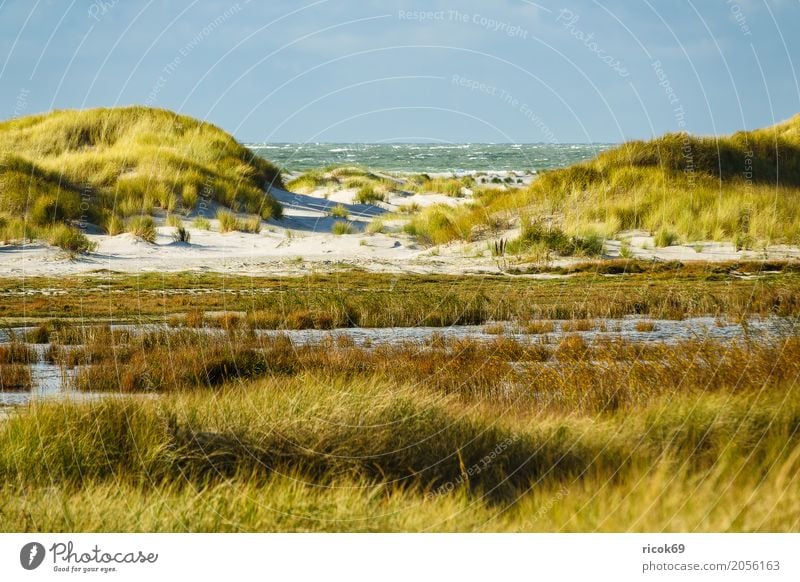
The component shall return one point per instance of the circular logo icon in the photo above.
(31, 555)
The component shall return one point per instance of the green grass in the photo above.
(229, 222)
(685, 188)
(742, 188)
(612, 288)
(339, 211)
(255, 433)
(174, 220)
(342, 227)
(439, 224)
(364, 455)
(71, 240)
(201, 223)
(367, 194)
(182, 235)
(536, 237)
(99, 165)
(143, 227)
(449, 186)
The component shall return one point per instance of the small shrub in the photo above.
(537, 235)
(143, 227)
(339, 211)
(494, 329)
(367, 195)
(251, 224)
(115, 225)
(339, 227)
(227, 221)
(645, 326)
(539, 327)
(375, 226)
(181, 234)
(189, 196)
(15, 377)
(665, 238)
(449, 186)
(412, 208)
(71, 240)
(742, 241)
(625, 250)
(577, 325)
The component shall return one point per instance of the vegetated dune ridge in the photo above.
(130, 177)
(102, 166)
(741, 188)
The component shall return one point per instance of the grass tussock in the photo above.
(538, 238)
(339, 211)
(229, 222)
(341, 227)
(15, 377)
(201, 223)
(367, 194)
(71, 240)
(143, 228)
(449, 186)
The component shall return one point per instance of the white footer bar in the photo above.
(400, 557)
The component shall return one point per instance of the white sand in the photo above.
(302, 242)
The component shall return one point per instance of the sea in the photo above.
(429, 157)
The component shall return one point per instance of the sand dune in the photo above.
(302, 242)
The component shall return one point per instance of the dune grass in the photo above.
(683, 188)
(71, 240)
(229, 222)
(339, 211)
(224, 429)
(201, 223)
(741, 188)
(341, 227)
(100, 165)
(364, 454)
(143, 227)
(449, 186)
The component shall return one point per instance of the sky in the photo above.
(412, 71)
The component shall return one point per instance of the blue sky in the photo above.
(443, 70)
